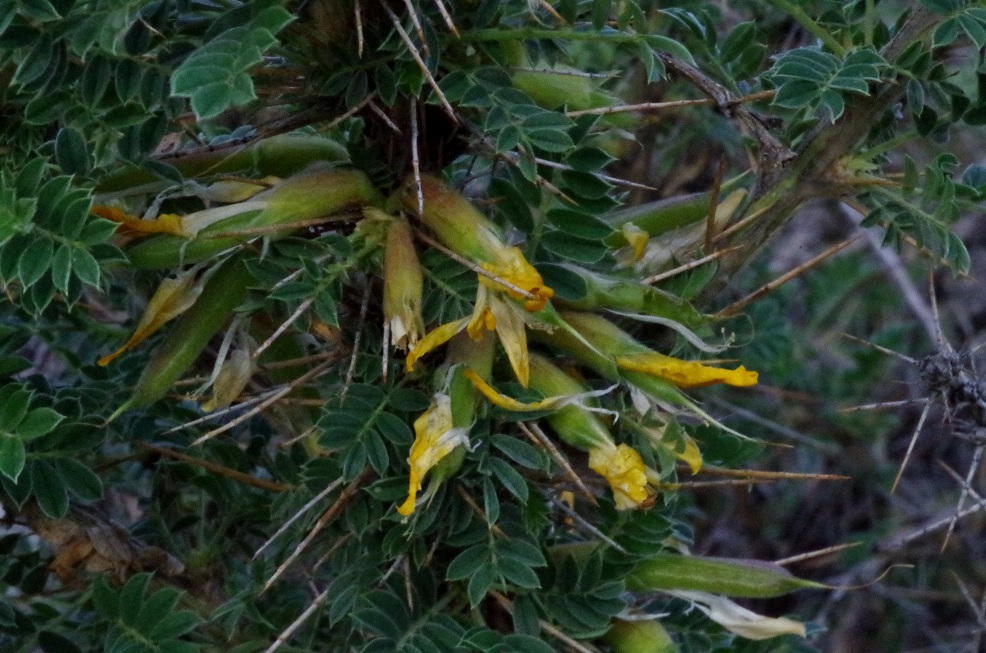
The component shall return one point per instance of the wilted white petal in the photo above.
(735, 618)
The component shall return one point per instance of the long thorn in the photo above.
(534, 432)
(738, 306)
(415, 161)
(977, 457)
(910, 447)
(344, 498)
(889, 352)
(588, 527)
(241, 477)
(356, 342)
(689, 266)
(359, 31)
(413, 13)
(447, 18)
(269, 401)
(472, 266)
(818, 553)
(297, 623)
(297, 515)
(302, 307)
(421, 64)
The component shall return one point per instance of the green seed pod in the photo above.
(630, 296)
(639, 637)
(282, 156)
(224, 291)
(725, 576)
(307, 196)
(665, 215)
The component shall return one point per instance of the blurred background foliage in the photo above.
(234, 154)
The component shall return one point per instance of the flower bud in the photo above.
(402, 286)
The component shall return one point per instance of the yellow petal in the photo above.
(482, 320)
(626, 473)
(637, 238)
(685, 374)
(167, 223)
(509, 403)
(434, 438)
(173, 297)
(511, 266)
(435, 338)
(512, 331)
(691, 456)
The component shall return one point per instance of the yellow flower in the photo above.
(626, 473)
(466, 231)
(492, 313)
(685, 374)
(434, 438)
(511, 266)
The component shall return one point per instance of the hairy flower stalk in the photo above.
(402, 284)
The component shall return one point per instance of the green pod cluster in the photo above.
(725, 576)
(304, 197)
(223, 293)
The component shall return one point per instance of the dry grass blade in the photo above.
(534, 432)
(694, 485)
(882, 405)
(737, 307)
(643, 106)
(297, 515)
(331, 513)
(402, 33)
(297, 623)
